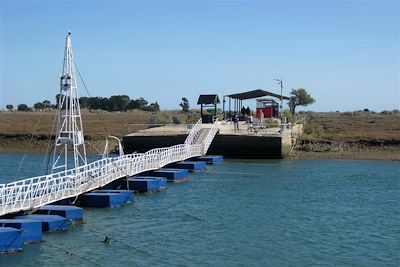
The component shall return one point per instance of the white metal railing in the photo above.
(194, 133)
(210, 136)
(38, 191)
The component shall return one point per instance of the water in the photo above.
(255, 213)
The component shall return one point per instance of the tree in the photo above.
(84, 102)
(124, 101)
(139, 103)
(60, 98)
(104, 103)
(299, 97)
(184, 104)
(23, 107)
(119, 103)
(154, 107)
(10, 107)
(38, 105)
(289, 116)
(46, 104)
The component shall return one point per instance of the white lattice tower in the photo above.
(69, 140)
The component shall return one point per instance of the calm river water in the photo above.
(240, 213)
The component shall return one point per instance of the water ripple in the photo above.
(262, 213)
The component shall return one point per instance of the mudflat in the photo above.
(350, 135)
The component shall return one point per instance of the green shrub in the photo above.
(288, 115)
(160, 118)
(175, 120)
(193, 117)
(271, 123)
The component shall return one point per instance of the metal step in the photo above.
(200, 138)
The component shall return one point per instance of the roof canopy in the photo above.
(265, 100)
(255, 94)
(208, 100)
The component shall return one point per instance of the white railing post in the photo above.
(194, 133)
(210, 137)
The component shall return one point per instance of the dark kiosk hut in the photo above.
(268, 107)
(208, 101)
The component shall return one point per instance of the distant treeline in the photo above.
(117, 103)
(114, 103)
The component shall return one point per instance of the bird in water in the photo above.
(107, 239)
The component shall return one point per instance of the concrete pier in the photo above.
(269, 143)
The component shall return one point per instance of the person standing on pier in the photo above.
(236, 121)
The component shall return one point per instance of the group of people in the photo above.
(235, 120)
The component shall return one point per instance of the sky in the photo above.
(346, 54)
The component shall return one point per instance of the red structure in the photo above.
(267, 108)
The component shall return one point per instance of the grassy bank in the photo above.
(358, 135)
(31, 131)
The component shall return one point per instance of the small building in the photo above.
(208, 101)
(267, 108)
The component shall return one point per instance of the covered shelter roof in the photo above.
(255, 94)
(208, 100)
(263, 100)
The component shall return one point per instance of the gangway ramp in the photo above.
(202, 135)
(35, 192)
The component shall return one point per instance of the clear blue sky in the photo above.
(345, 53)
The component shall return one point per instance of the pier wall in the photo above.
(230, 146)
(142, 144)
